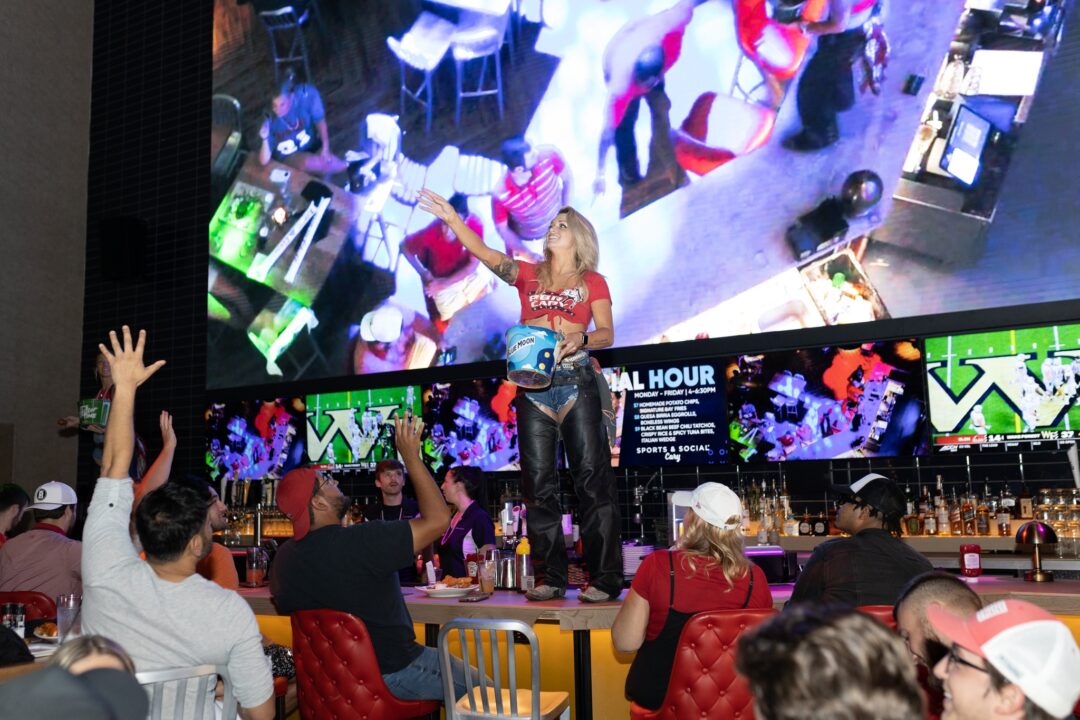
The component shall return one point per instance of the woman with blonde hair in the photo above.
(564, 293)
(707, 570)
(91, 652)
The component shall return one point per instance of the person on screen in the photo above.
(296, 132)
(635, 61)
(566, 294)
(537, 183)
(827, 85)
(441, 261)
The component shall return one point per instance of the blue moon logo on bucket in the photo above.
(521, 347)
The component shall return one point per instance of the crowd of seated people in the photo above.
(163, 596)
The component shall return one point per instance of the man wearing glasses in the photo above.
(1011, 659)
(871, 566)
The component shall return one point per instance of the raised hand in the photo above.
(407, 431)
(168, 435)
(126, 360)
(437, 205)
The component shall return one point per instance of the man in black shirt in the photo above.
(393, 505)
(354, 569)
(871, 566)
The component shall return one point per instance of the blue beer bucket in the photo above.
(530, 356)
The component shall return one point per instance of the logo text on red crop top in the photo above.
(564, 301)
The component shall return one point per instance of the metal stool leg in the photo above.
(430, 98)
(498, 83)
(458, 82)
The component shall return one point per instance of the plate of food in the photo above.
(47, 631)
(449, 587)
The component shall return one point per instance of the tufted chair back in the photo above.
(39, 606)
(881, 613)
(703, 682)
(337, 675)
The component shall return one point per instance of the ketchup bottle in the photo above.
(970, 560)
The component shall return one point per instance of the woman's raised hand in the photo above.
(437, 205)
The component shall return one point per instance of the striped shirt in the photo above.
(529, 208)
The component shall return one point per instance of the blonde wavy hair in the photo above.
(707, 546)
(586, 247)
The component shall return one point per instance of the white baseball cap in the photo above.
(381, 325)
(714, 503)
(52, 495)
(1030, 647)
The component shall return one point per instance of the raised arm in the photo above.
(128, 372)
(434, 515)
(158, 474)
(505, 267)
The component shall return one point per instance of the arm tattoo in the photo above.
(506, 269)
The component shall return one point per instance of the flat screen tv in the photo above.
(356, 429)
(254, 439)
(668, 414)
(1004, 389)
(471, 422)
(827, 403)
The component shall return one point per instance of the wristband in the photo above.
(584, 339)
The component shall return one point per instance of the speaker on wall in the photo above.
(123, 247)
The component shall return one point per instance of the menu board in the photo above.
(669, 413)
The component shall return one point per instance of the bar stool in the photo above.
(287, 42)
(422, 48)
(479, 37)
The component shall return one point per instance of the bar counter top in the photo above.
(1061, 597)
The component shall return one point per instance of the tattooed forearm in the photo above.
(506, 269)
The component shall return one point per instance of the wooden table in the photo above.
(320, 257)
(570, 614)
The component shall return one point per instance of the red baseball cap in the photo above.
(294, 495)
(1030, 647)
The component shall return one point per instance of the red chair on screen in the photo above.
(703, 682)
(881, 613)
(39, 606)
(337, 675)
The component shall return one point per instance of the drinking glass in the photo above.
(487, 576)
(68, 606)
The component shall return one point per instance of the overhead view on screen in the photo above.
(1004, 389)
(471, 422)
(674, 127)
(827, 403)
(254, 440)
(356, 429)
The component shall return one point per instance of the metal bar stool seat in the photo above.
(479, 37)
(422, 48)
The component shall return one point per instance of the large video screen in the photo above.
(827, 403)
(689, 132)
(356, 429)
(254, 439)
(1004, 389)
(471, 422)
(668, 414)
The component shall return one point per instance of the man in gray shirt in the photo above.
(161, 611)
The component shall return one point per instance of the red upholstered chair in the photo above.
(882, 613)
(39, 606)
(337, 675)
(703, 682)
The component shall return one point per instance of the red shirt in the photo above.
(441, 255)
(695, 592)
(573, 304)
(529, 208)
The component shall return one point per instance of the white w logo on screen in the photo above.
(995, 374)
(342, 422)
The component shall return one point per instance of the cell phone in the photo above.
(475, 597)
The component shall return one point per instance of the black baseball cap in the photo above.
(877, 491)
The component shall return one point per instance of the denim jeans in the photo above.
(422, 678)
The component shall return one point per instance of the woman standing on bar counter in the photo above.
(563, 293)
(471, 529)
(707, 571)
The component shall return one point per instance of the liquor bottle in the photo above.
(942, 512)
(1025, 503)
(1007, 502)
(909, 500)
(791, 525)
(744, 522)
(930, 526)
(755, 502)
(806, 528)
(821, 525)
(926, 503)
(967, 512)
(1004, 522)
(910, 521)
(956, 522)
(982, 514)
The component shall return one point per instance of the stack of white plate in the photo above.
(632, 555)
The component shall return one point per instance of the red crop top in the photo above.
(571, 304)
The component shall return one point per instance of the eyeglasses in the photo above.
(322, 481)
(955, 659)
